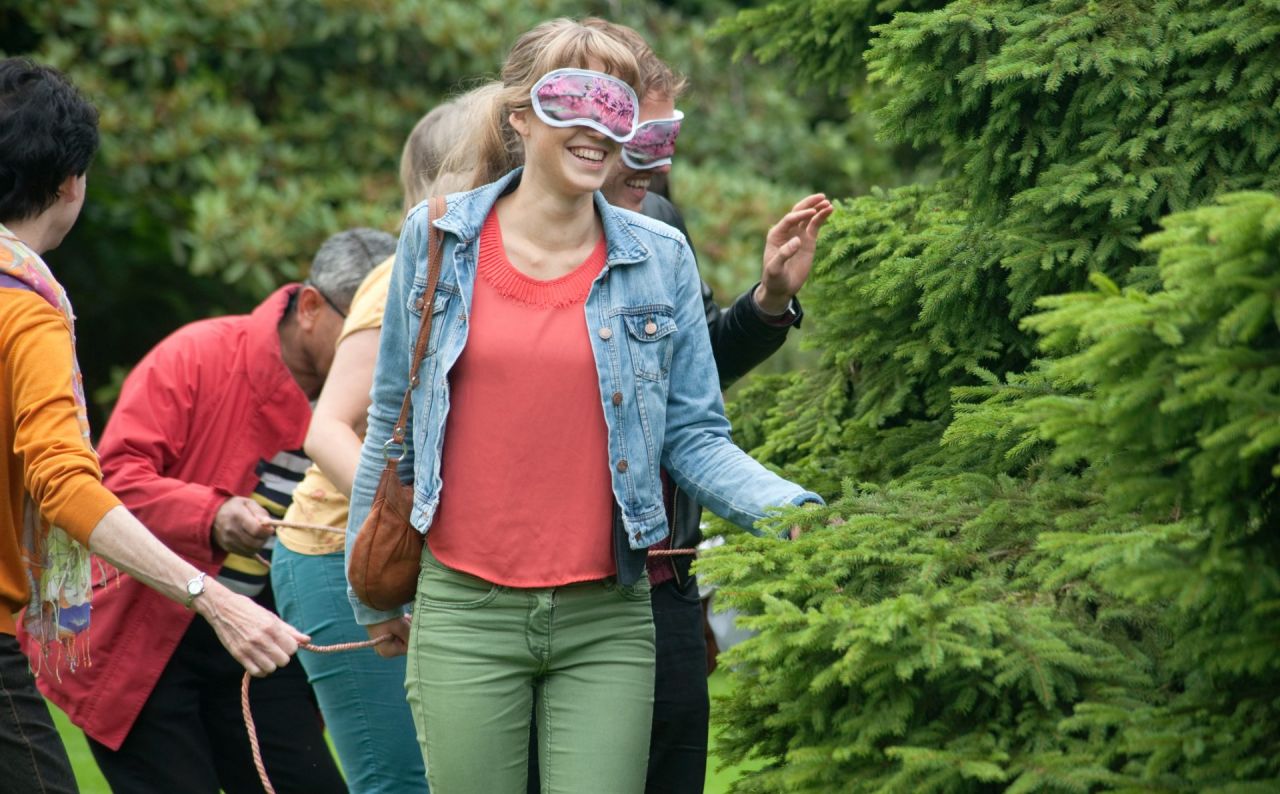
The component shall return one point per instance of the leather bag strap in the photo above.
(435, 253)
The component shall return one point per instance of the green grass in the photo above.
(86, 769)
(91, 781)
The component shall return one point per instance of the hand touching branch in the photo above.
(788, 253)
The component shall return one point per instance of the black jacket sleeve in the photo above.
(740, 338)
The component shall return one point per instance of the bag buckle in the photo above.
(393, 447)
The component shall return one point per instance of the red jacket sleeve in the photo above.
(144, 442)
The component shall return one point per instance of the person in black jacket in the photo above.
(742, 336)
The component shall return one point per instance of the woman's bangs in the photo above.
(592, 51)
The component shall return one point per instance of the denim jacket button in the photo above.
(651, 328)
(617, 398)
(606, 332)
(419, 303)
(622, 465)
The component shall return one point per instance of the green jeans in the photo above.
(478, 652)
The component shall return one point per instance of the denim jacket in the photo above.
(658, 387)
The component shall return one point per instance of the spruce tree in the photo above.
(1047, 411)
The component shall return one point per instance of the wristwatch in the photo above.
(195, 588)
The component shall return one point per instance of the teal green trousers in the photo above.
(479, 651)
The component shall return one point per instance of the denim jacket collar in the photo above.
(467, 211)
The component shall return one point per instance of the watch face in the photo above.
(195, 586)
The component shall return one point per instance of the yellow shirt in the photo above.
(316, 500)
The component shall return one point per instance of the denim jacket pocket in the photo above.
(417, 301)
(649, 335)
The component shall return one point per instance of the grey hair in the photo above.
(345, 259)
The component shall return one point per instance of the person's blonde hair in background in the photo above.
(422, 163)
(360, 694)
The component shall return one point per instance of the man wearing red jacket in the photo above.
(199, 447)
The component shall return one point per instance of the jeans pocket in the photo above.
(442, 587)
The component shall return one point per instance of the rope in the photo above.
(272, 522)
(248, 715)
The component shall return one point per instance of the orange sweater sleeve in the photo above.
(59, 470)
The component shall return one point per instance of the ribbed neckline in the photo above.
(496, 269)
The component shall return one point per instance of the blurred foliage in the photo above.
(237, 135)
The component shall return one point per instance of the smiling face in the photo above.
(566, 160)
(626, 187)
(571, 161)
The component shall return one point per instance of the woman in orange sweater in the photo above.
(55, 503)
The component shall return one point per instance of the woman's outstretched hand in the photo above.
(788, 253)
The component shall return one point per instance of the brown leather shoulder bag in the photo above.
(384, 562)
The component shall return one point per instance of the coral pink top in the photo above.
(527, 499)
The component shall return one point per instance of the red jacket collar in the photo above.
(267, 370)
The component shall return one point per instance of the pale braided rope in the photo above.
(248, 714)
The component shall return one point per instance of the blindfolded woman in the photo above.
(568, 366)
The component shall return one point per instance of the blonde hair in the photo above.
(656, 77)
(423, 171)
(494, 147)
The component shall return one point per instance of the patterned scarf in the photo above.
(58, 568)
